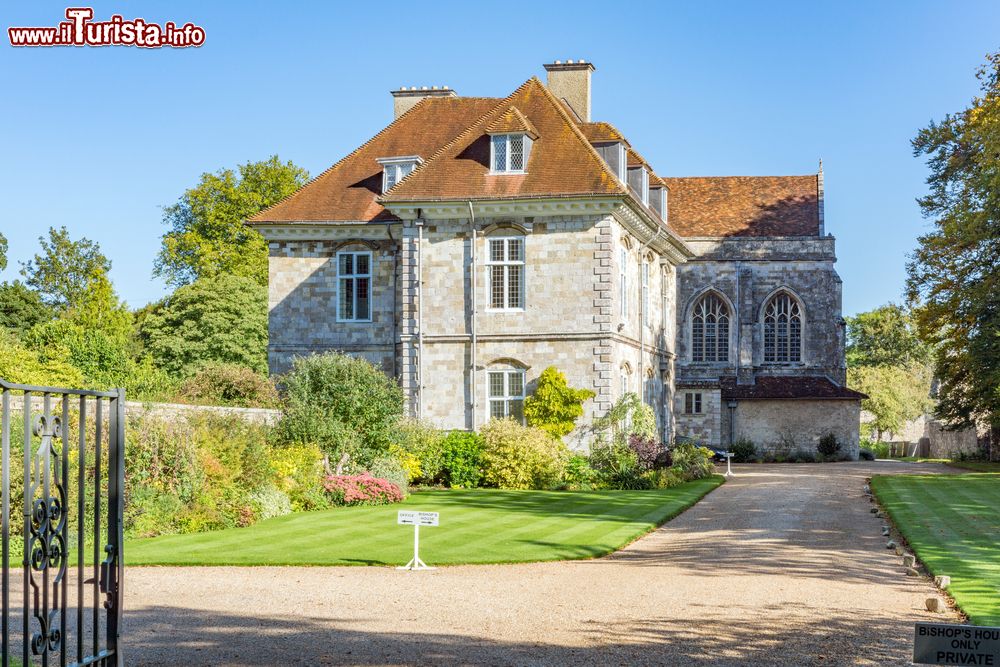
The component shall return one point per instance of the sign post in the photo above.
(947, 644)
(729, 464)
(416, 519)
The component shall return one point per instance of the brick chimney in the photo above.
(404, 98)
(570, 82)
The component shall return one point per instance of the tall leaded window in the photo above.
(710, 329)
(509, 153)
(782, 330)
(506, 394)
(354, 275)
(505, 266)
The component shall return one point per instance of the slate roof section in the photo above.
(562, 162)
(347, 191)
(782, 388)
(724, 206)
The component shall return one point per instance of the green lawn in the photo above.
(953, 526)
(477, 526)
(976, 466)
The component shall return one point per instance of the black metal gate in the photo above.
(64, 465)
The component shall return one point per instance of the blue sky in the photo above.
(98, 139)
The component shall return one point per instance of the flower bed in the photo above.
(361, 489)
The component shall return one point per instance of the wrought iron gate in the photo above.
(71, 528)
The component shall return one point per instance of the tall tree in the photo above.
(207, 235)
(896, 395)
(213, 320)
(20, 307)
(884, 336)
(953, 273)
(63, 270)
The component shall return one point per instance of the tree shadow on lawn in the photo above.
(178, 636)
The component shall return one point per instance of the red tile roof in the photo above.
(782, 388)
(511, 121)
(347, 190)
(562, 162)
(744, 206)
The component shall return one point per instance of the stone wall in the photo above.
(938, 442)
(706, 427)
(746, 273)
(164, 411)
(784, 426)
(302, 303)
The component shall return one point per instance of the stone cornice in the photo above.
(444, 210)
(323, 232)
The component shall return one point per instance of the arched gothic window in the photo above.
(782, 329)
(710, 329)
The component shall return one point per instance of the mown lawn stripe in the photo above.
(952, 524)
(477, 526)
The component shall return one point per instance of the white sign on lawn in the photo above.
(416, 519)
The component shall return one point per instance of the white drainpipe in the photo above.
(420, 319)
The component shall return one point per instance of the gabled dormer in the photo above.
(395, 169)
(511, 137)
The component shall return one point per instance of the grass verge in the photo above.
(952, 524)
(477, 526)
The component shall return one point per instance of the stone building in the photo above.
(476, 241)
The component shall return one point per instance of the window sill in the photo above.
(504, 310)
(339, 321)
(506, 173)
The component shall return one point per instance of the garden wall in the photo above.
(784, 426)
(172, 411)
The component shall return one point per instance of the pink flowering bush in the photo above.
(361, 489)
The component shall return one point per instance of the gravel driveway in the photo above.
(784, 564)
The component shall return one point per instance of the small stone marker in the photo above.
(912, 572)
(934, 604)
(942, 581)
(874, 510)
(885, 530)
(947, 644)
(416, 519)
(909, 560)
(890, 545)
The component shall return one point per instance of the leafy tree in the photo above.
(3, 252)
(346, 405)
(628, 416)
(95, 335)
(20, 364)
(64, 269)
(213, 320)
(895, 395)
(555, 406)
(21, 308)
(953, 273)
(886, 335)
(207, 235)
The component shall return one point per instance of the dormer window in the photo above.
(622, 163)
(638, 180)
(658, 200)
(395, 169)
(509, 153)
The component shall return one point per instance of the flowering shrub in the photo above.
(361, 489)
(649, 452)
